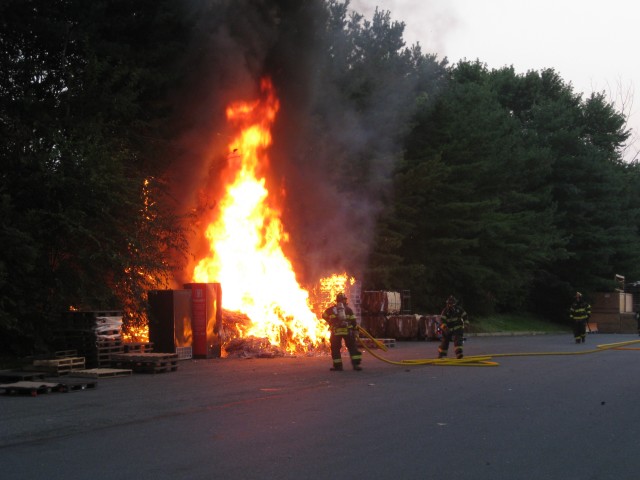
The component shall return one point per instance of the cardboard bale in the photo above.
(615, 322)
(628, 323)
(611, 302)
(428, 327)
(607, 322)
(375, 324)
(372, 302)
(402, 327)
(381, 302)
(393, 302)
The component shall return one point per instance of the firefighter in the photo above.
(580, 312)
(452, 321)
(342, 322)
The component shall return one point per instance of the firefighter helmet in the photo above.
(451, 300)
(341, 298)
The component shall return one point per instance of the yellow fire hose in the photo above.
(484, 360)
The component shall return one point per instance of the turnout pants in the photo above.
(350, 342)
(580, 330)
(455, 336)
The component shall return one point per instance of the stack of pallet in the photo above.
(146, 362)
(60, 365)
(95, 335)
(108, 332)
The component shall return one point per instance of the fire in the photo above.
(246, 239)
(331, 286)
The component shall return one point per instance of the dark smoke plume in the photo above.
(321, 141)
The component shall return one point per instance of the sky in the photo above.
(592, 44)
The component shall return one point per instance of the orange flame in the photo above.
(332, 285)
(246, 239)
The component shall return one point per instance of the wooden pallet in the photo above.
(109, 342)
(35, 387)
(59, 366)
(105, 352)
(75, 385)
(146, 362)
(11, 376)
(28, 388)
(101, 372)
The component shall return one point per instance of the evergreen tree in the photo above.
(490, 205)
(82, 86)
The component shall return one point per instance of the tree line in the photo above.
(512, 191)
(507, 189)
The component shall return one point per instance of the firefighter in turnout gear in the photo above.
(452, 321)
(580, 312)
(342, 323)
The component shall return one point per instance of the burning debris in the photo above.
(251, 347)
(240, 345)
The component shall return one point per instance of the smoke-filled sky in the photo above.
(236, 43)
(592, 44)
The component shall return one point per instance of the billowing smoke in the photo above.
(331, 158)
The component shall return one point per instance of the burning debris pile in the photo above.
(251, 347)
(239, 345)
(245, 347)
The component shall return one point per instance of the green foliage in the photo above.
(82, 98)
(514, 323)
(514, 192)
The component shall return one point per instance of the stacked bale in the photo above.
(402, 327)
(379, 312)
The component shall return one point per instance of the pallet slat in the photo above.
(59, 362)
(102, 372)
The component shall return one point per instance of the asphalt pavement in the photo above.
(550, 409)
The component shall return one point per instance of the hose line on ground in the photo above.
(482, 360)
